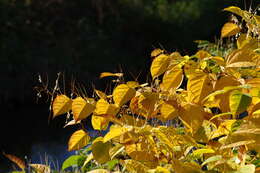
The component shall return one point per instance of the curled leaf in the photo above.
(78, 140)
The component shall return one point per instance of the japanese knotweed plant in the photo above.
(200, 113)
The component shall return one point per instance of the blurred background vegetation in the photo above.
(83, 38)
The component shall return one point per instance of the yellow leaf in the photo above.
(100, 150)
(104, 108)
(242, 64)
(229, 29)
(99, 171)
(115, 131)
(223, 129)
(202, 151)
(159, 65)
(198, 87)
(78, 140)
(168, 112)
(239, 102)
(82, 108)
(122, 94)
(242, 55)
(235, 10)
(40, 168)
(188, 167)
(237, 144)
(135, 166)
(156, 52)
(108, 74)
(192, 115)
(146, 102)
(99, 123)
(172, 79)
(19, 162)
(132, 84)
(132, 121)
(101, 94)
(61, 105)
(219, 60)
(247, 42)
(201, 54)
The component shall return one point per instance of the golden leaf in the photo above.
(239, 102)
(134, 166)
(229, 29)
(122, 94)
(61, 105)
(108, 74)
(159, 65)
(82, 108)
(78, 140)
(40, 168)
(172, 79)
(132, 84)
(168, 112)
(101, 94)
(132, 121)
(201, 54)
(198, 87)
(202, 151)
(115, 131)
(156, 52)
(99, 122)
(104, 108)
(99, 171)
(146, 102)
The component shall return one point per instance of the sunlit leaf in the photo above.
(202, 151)
(242, 64)
(108, 74)
(223, 129)
(19, 162)
(239, 102)
(237, 144)
(100, 150)
(156, 52)
(235, 10)
(168, 112)
(40, 168)
(71, 161)
(146, 102)
(229, 29)
(82, 108)
(122, 94)
(132, 84)
(198, 87)
(78, 140)
(172, 79)
(61, 105)
(201, 54)
(159, 65)
(135, 166)
(104, 108)
(246, 169)
(99, 122)
(115, 131)
(99, 171)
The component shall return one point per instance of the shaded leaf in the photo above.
(61, 105)
(19, 162)
(168, 112)
(100, 150)
(239, 102)
(78, 140)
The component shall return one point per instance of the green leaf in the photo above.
(111, 164)
(212, 159)
(238, 102)
(245, 169)
(71, 161)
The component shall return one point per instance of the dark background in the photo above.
(81, 39)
